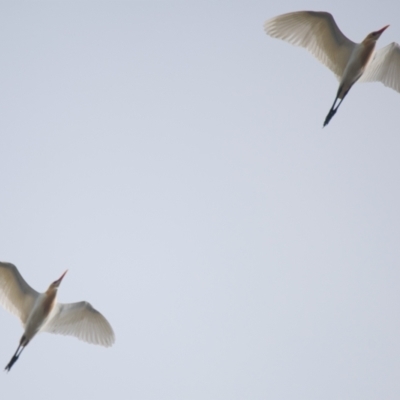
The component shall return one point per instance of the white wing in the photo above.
(16, 296)
(82, 321)
(385, 67)
(318, 33)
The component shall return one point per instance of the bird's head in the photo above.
(374, 36)
(56, 284)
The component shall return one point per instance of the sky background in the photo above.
(172, 157)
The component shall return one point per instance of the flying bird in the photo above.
(349, 61)
(41, 312)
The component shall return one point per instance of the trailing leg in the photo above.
(341, 94)
(14, 358)
(332, 111)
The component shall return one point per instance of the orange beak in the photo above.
(381, 30)
(58, 281)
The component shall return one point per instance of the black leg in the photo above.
(14, 358)
(332, 111)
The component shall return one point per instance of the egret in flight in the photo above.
(41, 312)
(349, 61)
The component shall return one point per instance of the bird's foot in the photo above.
(11, 363)
(329, 116)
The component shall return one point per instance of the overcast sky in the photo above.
(172, 157)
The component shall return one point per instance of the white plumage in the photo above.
(41, 312)
(349, 61)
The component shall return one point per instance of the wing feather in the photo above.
(16, 296)
(318, 33)
(82, 321)
(385, 67)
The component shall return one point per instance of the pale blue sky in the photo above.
(172, 157)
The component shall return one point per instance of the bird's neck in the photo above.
(49, 300)
(365, 52)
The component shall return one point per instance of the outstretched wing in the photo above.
(318, 33)
(16, 296)
(385, 67)
(82, 321)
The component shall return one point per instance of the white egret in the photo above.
(41, 312)
(349, 61)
